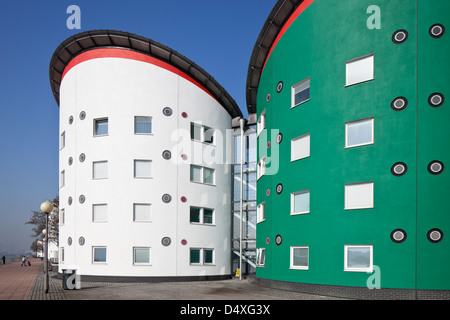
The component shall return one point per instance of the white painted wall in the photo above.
(121, 89)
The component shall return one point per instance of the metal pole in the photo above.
(241, 122)
(46, 253)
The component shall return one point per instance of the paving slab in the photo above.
(16, 281)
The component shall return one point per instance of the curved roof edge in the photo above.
(95, 39)
(278, 17)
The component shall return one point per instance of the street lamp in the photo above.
(46, 208)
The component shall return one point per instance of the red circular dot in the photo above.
(267, 240)
(268, 144)
(183, 199)
(268, 192)
(184, 157)
(184, 114)
(184, 242)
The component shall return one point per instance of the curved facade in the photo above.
(145, 190)
(352, 191)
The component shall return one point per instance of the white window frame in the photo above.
(352, 269)
(294, 89)
(151, 125)
(202, 257)
(202, 175)
(62, 140)
(261, 123)
(93, 169)
(292, 266)
(93, 255)
(95, 127)
(62, 216)
(99, 220)
(261, 212)
(62, 178)
(348, 68)
(293, 194)
(260, 257)
(348, 206)
(372, 120)
(261, 170)
(306, 138)
(202, 216)
(142, 263)
(62, 255)
(134, 169)
(203, 130)
(149, 205)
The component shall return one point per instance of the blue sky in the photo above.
(217, 35)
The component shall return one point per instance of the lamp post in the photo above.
(46, 208)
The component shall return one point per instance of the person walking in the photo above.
(3, 259)
(24, 260)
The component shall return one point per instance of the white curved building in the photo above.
(145, 190)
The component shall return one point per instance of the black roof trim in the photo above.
(88, 40)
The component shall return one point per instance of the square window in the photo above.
(300, 147)
(142, 125)
(208, 135)
(260, 257)
(62, 255)
(63, 140)
(62, 179)
(196, 131)
(208, 216)
(358, 258)
(141, 255)
(261, 122)
(62, 216)
(194, 256)
(100, 170)
(142, 168)
(194, 216)
(99, 254)
(208, 256)
(141, 212)
(300, 92)
(359, 195)
(196, 173)
(359, 70)
(300, 258)
(260, 212)
(359, 133)
(101, 127)
(262, 167)
(208, 175)
(99, 213)
(300, 202)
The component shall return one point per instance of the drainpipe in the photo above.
(241, 123)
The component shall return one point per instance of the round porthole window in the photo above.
(398, 235)
(400, 36)
(278, 240)
(82, 115)
(279, 188)
(436, 99)
(81, 241)
(279, 86)
(166, 241)
(69, 241)
(166, 198)
(166, 154)
(70, 161)
(82, 157)
(70, 119)
(69, 201)
(436, 30)
(167, 111)
(82, 198)
(435, 167)
(399, 169)
(435, 235)
(399, 103)
(279, 138)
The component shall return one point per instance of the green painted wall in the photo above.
(317, 45)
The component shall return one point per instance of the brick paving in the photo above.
(55, 290)
(16, 281)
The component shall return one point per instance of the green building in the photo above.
(353, 147)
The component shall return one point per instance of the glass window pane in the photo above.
(100, 170)
(142, 212)
(196, 131)
(208, 135)
(194, 215)
(142, 169)
(141, 255)
(359, 132)
(208, 175)
(300, 257)
(101, 127)
(208, 255)
(196, 173)
(359, 196)
(100, 254)
(208, 216)
(301, 202)
(142, 125)
(99, 212)
(301, 92)
(358, 257)
(359, 70)
(195, 256)
(300, 147)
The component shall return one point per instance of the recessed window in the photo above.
(62, 179)
(260, 212)
(201, 216)
(62, 142)
(62, 255)
(142, 168)
(98, 254)
(201, 256)
(62, 216)
(100, 170)
(101, 127)
(300, 92)
(141, 212)
(261, 167)
(359, 195)
(202, 175)
(142, 125)
(208, 256)
(300, 202)
(261, 124)
(99, 213)
(300, 258)
(359, 70)
(300, 147)
(359, 133)
(202, 133)
(260, 257)
(358, 258)
(141, 255)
